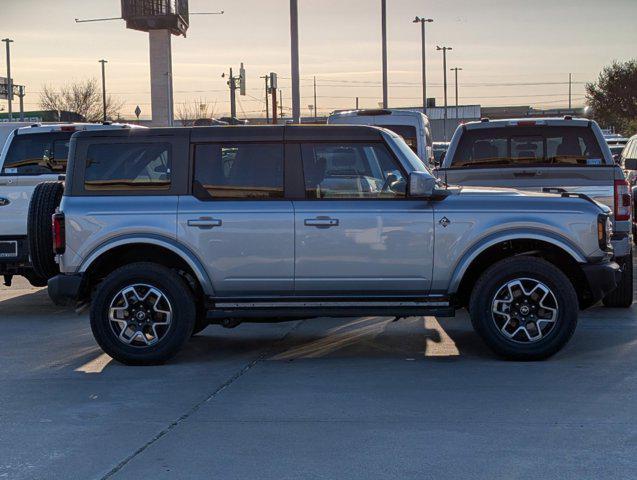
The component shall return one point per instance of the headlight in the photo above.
(604, 231)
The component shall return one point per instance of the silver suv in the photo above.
(165, 231)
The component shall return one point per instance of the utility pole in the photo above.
(315, 106)
(356, 103)
(294, 41)
(8, 41)
(103, 62)
(456, 69)
(21, 95)
(570, 89)
(280, 103)
(267, 94)
(422, 22)
(232, 83)
(383, 7)
(273, 87)
(444, 70)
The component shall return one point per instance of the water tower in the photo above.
(161, 19)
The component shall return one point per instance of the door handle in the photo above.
(204, 223)
(321, 222)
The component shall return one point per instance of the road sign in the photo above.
(138, 112)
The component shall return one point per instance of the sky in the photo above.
(515, 52)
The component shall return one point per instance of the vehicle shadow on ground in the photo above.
(30, 303)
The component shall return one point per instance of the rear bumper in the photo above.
(602, 278)
(66, 289)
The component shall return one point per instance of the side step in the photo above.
(308, 308)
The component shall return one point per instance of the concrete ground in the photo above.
(356, 398)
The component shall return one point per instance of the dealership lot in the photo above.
(355, 398)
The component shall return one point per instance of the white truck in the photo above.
(411, 125)
(31, 155)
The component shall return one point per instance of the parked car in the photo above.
(411, 125)
(550, 155)
(628, 162)
(163, 231)
(32, 155)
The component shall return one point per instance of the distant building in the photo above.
(44, 116)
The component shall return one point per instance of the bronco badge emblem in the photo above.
(444, 221)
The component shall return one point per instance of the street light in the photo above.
(383, 16)
(8, 41)
(294, 42)
(422, 22)
(456, 69)
(444, 70)
(103, 62)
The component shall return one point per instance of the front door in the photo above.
(238, 221)
(356, 231)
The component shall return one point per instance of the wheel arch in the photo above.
(560, 252)
(121, 251)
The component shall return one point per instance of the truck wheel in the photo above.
(46, 198)
(142, 314)
(524, 308)
(622, 296)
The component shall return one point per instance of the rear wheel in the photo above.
(45, 200)
(143, 314)
(622, 296)
(524, 308)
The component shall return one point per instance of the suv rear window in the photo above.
(126, 166)
(37, 154)
(518, 146)
(238, 171)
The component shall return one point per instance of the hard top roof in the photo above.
(528, 121)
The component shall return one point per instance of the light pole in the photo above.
(383, 8)
(456, 69)
(103, 62)
(294, 41)
(444, 70)
(8, 41)
(422, 22)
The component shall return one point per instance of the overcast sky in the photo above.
(504, 47)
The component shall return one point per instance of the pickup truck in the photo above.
(164, 231)
(548, 155)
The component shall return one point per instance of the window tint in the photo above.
(517, 146)
(351, 171)
(37, 154)
(247, 170)
(126, 166)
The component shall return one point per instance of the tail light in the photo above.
(623, 200)
(59, 233)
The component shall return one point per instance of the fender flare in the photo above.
(519, 234)
(169, 244)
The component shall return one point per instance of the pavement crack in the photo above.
(197, 406)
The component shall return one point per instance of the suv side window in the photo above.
(351, 171)
(238, 171)
(37, 154)
(126, 166)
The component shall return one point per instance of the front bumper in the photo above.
(66, 289)
(602, 278)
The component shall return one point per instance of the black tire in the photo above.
(46, 198)
(622, 296)
(180, 301)
(493, 281)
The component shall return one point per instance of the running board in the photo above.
(307, 308)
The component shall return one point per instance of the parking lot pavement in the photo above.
(355, 398)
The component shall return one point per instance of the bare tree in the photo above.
(191, 110)
(83, 97)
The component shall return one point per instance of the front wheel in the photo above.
(143, 314)
(524, 308)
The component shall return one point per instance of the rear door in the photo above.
(237, 218)
(534, 158)
(356, 231)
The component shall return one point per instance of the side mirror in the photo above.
(421, 185)
(630, 164)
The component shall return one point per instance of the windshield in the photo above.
(37, 154)
(521, 146)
